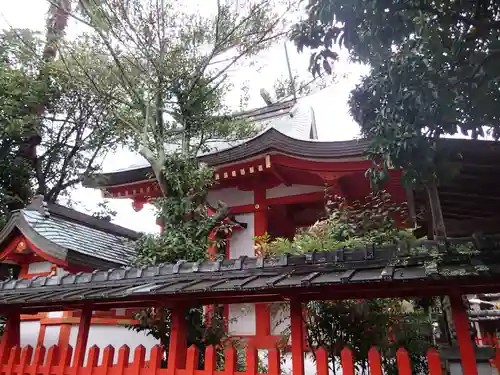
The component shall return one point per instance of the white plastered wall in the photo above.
(39, 267)
(117, 336)
(230, 196)
(242, 316)
(29, 333)
(51, 335)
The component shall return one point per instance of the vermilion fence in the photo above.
(488, 340)
(57, 361)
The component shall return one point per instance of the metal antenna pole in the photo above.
(292, 80)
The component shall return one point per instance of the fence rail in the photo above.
(58, 361)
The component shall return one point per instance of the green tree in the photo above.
(172, 68)
(434, 72)
(75, 128)
(16, 92)
(360, 324)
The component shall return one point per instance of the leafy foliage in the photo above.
(201, 331)
(172, 65)
(184, 214)
(434, 72)
(75, 128)
(359, 324)
(187, 223)
(348, 225)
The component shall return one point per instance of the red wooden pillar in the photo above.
(262, 316)
(178, 339)
(82, 338)
(461, 323)
(297, 331)
(11, 336)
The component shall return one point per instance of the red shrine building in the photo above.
(273, 183)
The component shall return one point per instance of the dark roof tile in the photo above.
(245, 275)
(72, 236)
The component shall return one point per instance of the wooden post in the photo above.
(262, 316)
(82, 338)
(461, 322)
(297, 337)
(177, 349)
(11, 336)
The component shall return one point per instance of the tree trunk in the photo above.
(55, 27)
(439, 230)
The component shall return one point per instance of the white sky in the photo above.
(330, 104)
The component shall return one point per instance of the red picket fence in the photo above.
(488, 340)
(57, 361)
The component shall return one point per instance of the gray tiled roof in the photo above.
(387, 267)
(267, 141)
(80, 238)
(72, 236)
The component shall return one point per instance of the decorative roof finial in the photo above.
(38, 204)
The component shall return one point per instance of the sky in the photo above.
(329, 104)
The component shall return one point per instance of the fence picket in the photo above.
(123, 359)
(374, 361)
(155, 359)
(403, 361)
(210, 360)
(229, 360)
(37, 361)
(92, 359)
(108, 356)
(52, 357)
(321, 361)
(13, 359)
(434, 362)
(139, 360)
(347, 361)
(273, 362)
(64, 360)
(26, 357)
(252, 360)
(192, 360)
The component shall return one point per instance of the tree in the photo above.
(359, 324)
(434, 72)
(75, 129)
(171, 68)
(55, 28)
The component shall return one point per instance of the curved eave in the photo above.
(274, 140)
(47, 249)
(125, 177)
(270, 140)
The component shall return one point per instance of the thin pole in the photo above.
(292, 80)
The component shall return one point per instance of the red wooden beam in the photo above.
(177, 348)
(297, 332)
(82, 338)
(11, 335)
(461, 322)
(338, 291)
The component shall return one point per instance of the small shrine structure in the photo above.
(47, 239)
